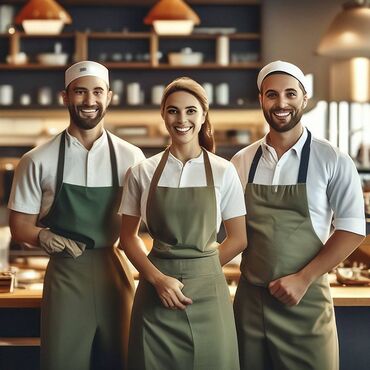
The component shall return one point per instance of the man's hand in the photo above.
(53, 243)
(289, 289)
(169, 291)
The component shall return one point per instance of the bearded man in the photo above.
(65, 198)
(305, 214)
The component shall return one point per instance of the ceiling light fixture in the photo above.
(348, 36)
(42, 17)
(172, 17)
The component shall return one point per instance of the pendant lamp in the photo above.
(42, 17)
(348, 36)
(172, 17)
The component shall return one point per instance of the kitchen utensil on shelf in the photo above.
(18, 58)
(44, 96)
(133, 93)
(57, 58)
(208, 87)
(222, 94)
(186, 57)
(157, 92)
(6, 94)
(222, 50)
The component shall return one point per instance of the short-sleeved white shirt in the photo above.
(34, 181)
(333, 186)
(228, 189)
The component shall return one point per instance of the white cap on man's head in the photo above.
(284, 67)
(86, 68)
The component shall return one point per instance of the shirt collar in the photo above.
(297, 147)
(198, 159)
(101, 140)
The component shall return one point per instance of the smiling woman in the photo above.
(182, 316)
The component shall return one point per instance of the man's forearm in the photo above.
(338, 247)
(23, 228)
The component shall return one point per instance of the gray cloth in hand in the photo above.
(53, 243)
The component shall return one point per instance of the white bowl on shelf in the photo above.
(186, 57)
(55, 59)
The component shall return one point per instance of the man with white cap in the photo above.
(305, 215)
(65, 198)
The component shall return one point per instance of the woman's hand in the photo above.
(169, 291)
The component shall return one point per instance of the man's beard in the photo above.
(86, 123)
(296, 116)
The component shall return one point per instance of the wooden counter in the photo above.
(342, 296)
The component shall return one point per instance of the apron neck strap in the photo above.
(208, 168)
(60, 168)
(305, 156)
(113, 161)
(254, 165)
(303, 165)
(61, 156)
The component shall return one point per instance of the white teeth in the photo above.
(282, 114)
(88, 110)
(183, 129)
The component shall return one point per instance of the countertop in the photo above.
(342, 296)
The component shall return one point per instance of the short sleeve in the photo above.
(26, 193)
(345, 197)
(131, 197)
(232, 196)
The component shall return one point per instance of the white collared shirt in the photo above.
(333, 186)
(34, 181)
(228, 189)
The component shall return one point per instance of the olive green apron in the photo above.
(281, 240)
(182, 222)
(86, 301)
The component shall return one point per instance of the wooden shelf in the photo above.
(20, 342)
(31, 66)
(135, 65)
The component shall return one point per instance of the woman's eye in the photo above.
(171, 111)
(191, 111)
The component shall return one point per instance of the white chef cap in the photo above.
(86, 68)
(284, 67)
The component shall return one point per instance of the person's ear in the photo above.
(64, 95)
(305, 101)
(204, 115)
(109, 96)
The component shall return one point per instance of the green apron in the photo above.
(182, 222)
(281, 240)
(86, 301)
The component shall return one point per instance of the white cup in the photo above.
(44, 96)
(222, 94)
(222, 50)
(133, 93)
(25, 99)
(6, 94)
(117, 87)
(6, 17)
(157, 92)
(208, 87)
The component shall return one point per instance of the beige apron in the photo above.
(281, 240)
(182, 222)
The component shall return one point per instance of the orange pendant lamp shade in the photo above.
(172, 17)
(348, 36)
(43, 16)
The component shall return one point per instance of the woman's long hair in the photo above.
(186, 84)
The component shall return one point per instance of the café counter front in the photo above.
(20, 321)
